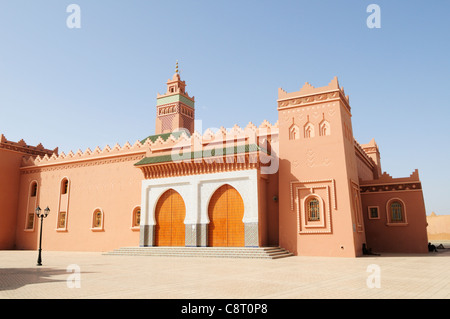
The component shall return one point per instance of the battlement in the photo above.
(23, 147)
(309, 94)
(88, 154)
(159, 143)
(386, 179)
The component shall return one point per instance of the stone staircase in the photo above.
(218, 252)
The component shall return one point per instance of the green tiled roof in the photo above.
(165, 136)
(202, 154)
(174, 98)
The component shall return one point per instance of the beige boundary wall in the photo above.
(438, 227)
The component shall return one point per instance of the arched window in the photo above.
(136, 221)
(32, 204)
(396, 211)
(61, 221)
(97, 219)
(313, 209)
(34, 187)
(64, 186)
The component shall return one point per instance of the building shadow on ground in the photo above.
(14, 278)
(442, 252)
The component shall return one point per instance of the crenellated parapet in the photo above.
(250, 133)
(88, 155)
(156, 144)
(309, 95)
(362, 154)
(387, 183)
(22, 147)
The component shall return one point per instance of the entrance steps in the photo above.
(218, 252)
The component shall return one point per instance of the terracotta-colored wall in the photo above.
(271, 202)
(262, 214)
(438, 227)
(308, 162)
(9, 189)
(112, 184)
(409, 238)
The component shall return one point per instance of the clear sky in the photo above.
(97, 85)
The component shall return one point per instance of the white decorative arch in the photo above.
(199, 189)
(236, 186)
(154, 194)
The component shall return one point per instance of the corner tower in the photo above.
(175, 109)
(320, 204)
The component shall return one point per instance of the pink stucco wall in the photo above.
(9, 188)
(109, 183)
(409, 237)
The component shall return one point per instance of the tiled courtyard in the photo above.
(125, 277)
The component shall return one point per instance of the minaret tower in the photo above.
(175, 109)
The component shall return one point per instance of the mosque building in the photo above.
(304, 184)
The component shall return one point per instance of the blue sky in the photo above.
(97, 85)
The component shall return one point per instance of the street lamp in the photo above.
(41, 216)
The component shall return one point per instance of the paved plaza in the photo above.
(89, 275)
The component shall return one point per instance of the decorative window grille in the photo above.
(313, 210)
(396, 212)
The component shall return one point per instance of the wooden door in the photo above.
(226, 210)
(169, 214)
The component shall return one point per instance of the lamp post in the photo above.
(41, 216)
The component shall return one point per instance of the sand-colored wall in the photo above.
(438, 227)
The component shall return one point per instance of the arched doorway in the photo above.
(225, 211)
(170, 213)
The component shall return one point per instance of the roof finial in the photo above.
(176, 68)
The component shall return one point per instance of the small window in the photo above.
(136, 217)
(313, 207)
(62, 220)
(64, 186)
(97, 221)
(34, 188)
(373, 212)
(30, 221)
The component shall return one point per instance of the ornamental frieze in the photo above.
(391, 187)
(309, 99)
(58, 167)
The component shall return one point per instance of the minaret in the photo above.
(175, 109)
